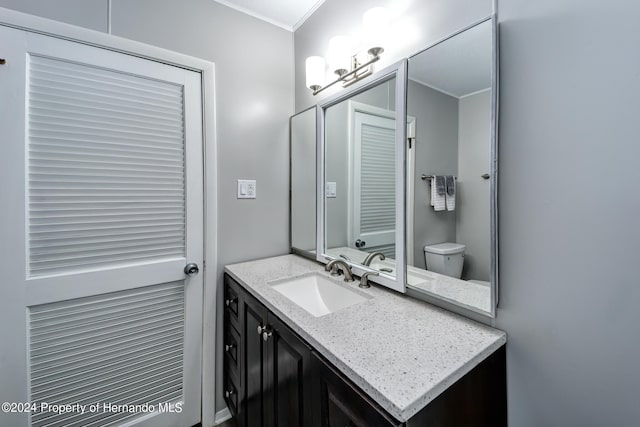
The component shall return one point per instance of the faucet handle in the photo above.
(364, 279)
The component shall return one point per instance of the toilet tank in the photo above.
(445, 258)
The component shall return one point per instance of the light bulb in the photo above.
(315, 72)
(375, 25)
(340, 55)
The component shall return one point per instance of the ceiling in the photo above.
(458, 66)
(287, 14)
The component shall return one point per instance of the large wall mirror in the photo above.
(451, 173)
(413, 203)
(303, 183)
(361, 151)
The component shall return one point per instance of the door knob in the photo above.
(191, 269)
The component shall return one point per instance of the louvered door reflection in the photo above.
(374, 181)
(107, 174)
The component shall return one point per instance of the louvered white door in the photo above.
(374, 212)
(102, 188)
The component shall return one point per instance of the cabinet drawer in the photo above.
(232, 352)
(231, 300)
(231, 393)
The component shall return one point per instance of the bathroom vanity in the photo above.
(352, 357)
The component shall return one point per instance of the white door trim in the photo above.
(30, 23)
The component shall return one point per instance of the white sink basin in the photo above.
(317, 294)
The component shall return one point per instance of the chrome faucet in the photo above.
(367, 261)
(333, 267)
(338, 263)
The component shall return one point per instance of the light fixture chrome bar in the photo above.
(344, 77)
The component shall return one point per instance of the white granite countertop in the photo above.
(402, 352)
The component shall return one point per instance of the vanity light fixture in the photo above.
(349, 67)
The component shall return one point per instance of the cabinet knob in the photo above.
(260, 329)
(266, 334)
(228, 393)
(229, 347)
(230, 301)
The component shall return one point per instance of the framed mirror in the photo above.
(302, 138)
(361, 184)
(451, 170)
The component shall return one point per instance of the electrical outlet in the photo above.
(246, 189)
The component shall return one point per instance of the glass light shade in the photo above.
(340, 54)
(375, 26)
(315, 66)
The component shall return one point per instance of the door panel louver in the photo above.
(377, 185)
(119, 348)
(106, 169)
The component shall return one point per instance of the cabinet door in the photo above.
(253, 366)
(290, 370)
(342, 404)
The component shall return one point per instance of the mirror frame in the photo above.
(294, 250)
(399, 71)
(493, 180)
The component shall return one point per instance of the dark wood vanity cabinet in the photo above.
(273, 378)
(342, 404)
(273, 385)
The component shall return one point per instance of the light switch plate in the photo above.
(246, 189)
(330, 190)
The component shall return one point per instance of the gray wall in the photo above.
(84, 13)
(569, 210)
(253, 103)
(569, 205)
(472, 191)
(436, 152)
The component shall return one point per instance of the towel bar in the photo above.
(430, 177)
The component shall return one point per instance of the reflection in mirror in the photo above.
(449, 163)
(360, 182)
(303, 183)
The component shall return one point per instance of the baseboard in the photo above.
(222, 416)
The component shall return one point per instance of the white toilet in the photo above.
(445, 258)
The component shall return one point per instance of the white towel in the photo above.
(432, 187)
(437, 200)
(451, 192)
